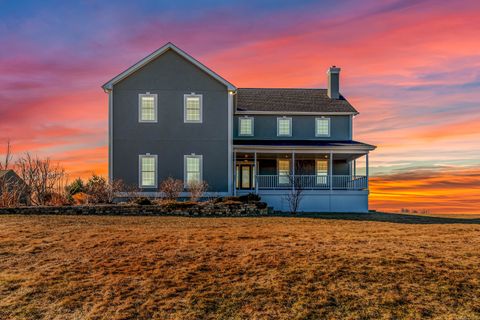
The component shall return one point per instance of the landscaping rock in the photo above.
(225, 209)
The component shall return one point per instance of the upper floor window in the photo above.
(245, 126)
(284, 126)
(322, 127)
(147, 107)
(192, 109)
(148, 171)
(193, 168)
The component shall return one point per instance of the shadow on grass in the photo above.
(391, 217)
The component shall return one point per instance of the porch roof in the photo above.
(323, 144)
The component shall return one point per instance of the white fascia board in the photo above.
(344, 149)
(293, 113)
(109, 85)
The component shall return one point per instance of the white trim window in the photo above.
(192, 108)
(193, 167)
(284, 127)
(322, 127)
(147, 170)
(245, 126)
(321, 171)
(147, 107)
(283, 171)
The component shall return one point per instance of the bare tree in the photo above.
(43, 178)
(197, 189)
(171, 188)
(295, 196)
(5, 164)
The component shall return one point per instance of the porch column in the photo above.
(255, 170)
(330, 170)
(354, 167)
(234, 173)
(293, 170)
(366, 169)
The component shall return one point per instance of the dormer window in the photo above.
(245, 126)
(322, 127)
(147, 107)
(284, 127)
(192, 108)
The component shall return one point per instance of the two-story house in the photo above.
(171, 116)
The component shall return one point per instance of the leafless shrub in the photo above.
(197, 189)
(99, 190)
(128, 192)
(12, 192)
(58, 199)
(171, 188)
(295, 195)
(42, 177)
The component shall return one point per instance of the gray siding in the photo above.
(303, 127)
(170, 77)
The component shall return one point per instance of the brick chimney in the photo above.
(333, 82)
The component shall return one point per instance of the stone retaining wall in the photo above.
(231, 210)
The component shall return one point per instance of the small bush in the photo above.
(261, 205)
(251, 197)
(230, 198)
(101, 191)
(143, 201)
(80, 198)
(97, 189)
(56, 199)
(197, 189)
(217, 200)
(171, 188)
(75, 187)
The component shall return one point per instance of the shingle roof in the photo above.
(3, 172)
(290, 100)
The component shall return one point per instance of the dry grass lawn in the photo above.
(376, 266)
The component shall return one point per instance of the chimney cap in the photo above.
(333, 69)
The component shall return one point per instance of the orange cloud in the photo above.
(442, 190)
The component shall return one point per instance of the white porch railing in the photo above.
(311, 182)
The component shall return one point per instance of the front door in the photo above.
(245, 176)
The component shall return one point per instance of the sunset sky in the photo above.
(412, 69)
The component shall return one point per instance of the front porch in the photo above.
(261, 170)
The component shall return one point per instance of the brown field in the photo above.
(380, 266)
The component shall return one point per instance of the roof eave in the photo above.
(300, 113)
